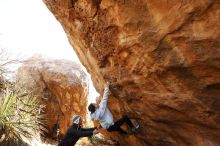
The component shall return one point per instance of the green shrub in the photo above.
(20, 117)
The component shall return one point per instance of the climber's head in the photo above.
(92, 107)
(77, 119)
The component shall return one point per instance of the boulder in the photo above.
(162, 58)
(61, 86)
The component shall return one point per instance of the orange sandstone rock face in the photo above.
(60, 85)
(162, 59)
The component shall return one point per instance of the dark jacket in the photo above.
(74, 133)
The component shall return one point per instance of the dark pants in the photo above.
(117, 125)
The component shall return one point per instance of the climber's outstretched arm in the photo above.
(103, 103)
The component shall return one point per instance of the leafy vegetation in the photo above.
(20, 117)
(20, 112)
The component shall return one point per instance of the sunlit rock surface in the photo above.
(162, 58)
(60, 84)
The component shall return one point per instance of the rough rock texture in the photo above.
(61, 86)
(162, 58)
(3, 83)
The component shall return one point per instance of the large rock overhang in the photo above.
(162, 59)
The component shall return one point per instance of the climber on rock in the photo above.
(76, 131)
(104, 116)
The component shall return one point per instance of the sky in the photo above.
(27, 27)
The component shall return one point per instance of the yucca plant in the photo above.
(20, 117)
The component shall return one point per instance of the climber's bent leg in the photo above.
(116, 127)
